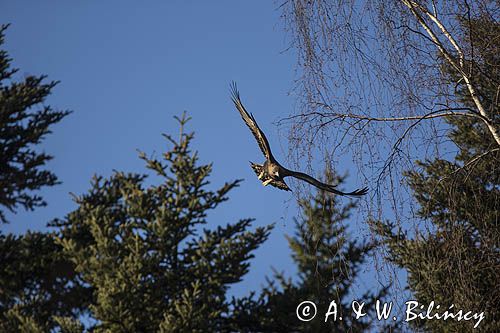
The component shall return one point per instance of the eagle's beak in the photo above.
(261, 175)
(267, 182)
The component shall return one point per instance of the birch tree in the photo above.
(387, 84)
(377, 81)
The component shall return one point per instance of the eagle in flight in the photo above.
(271, 172)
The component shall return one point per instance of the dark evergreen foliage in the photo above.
(24, 123)
(328, 262)
(36, 282)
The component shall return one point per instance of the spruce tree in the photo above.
(328, 261)
(458, 260)
(144, 252)
(24, 123)
(35, 280)
(132, 257)
(37, 283)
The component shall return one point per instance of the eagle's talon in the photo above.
(267, 182)
(261, 175)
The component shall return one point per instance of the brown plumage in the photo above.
(271, 172)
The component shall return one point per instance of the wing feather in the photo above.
(326, 187)
(251, 123)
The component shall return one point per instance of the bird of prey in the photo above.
(271, 172)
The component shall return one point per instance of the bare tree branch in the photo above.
(447, 112)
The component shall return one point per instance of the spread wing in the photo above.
(251, 123)
(325, 187)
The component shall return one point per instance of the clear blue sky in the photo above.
(126, 69)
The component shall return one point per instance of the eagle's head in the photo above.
(274, 171)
